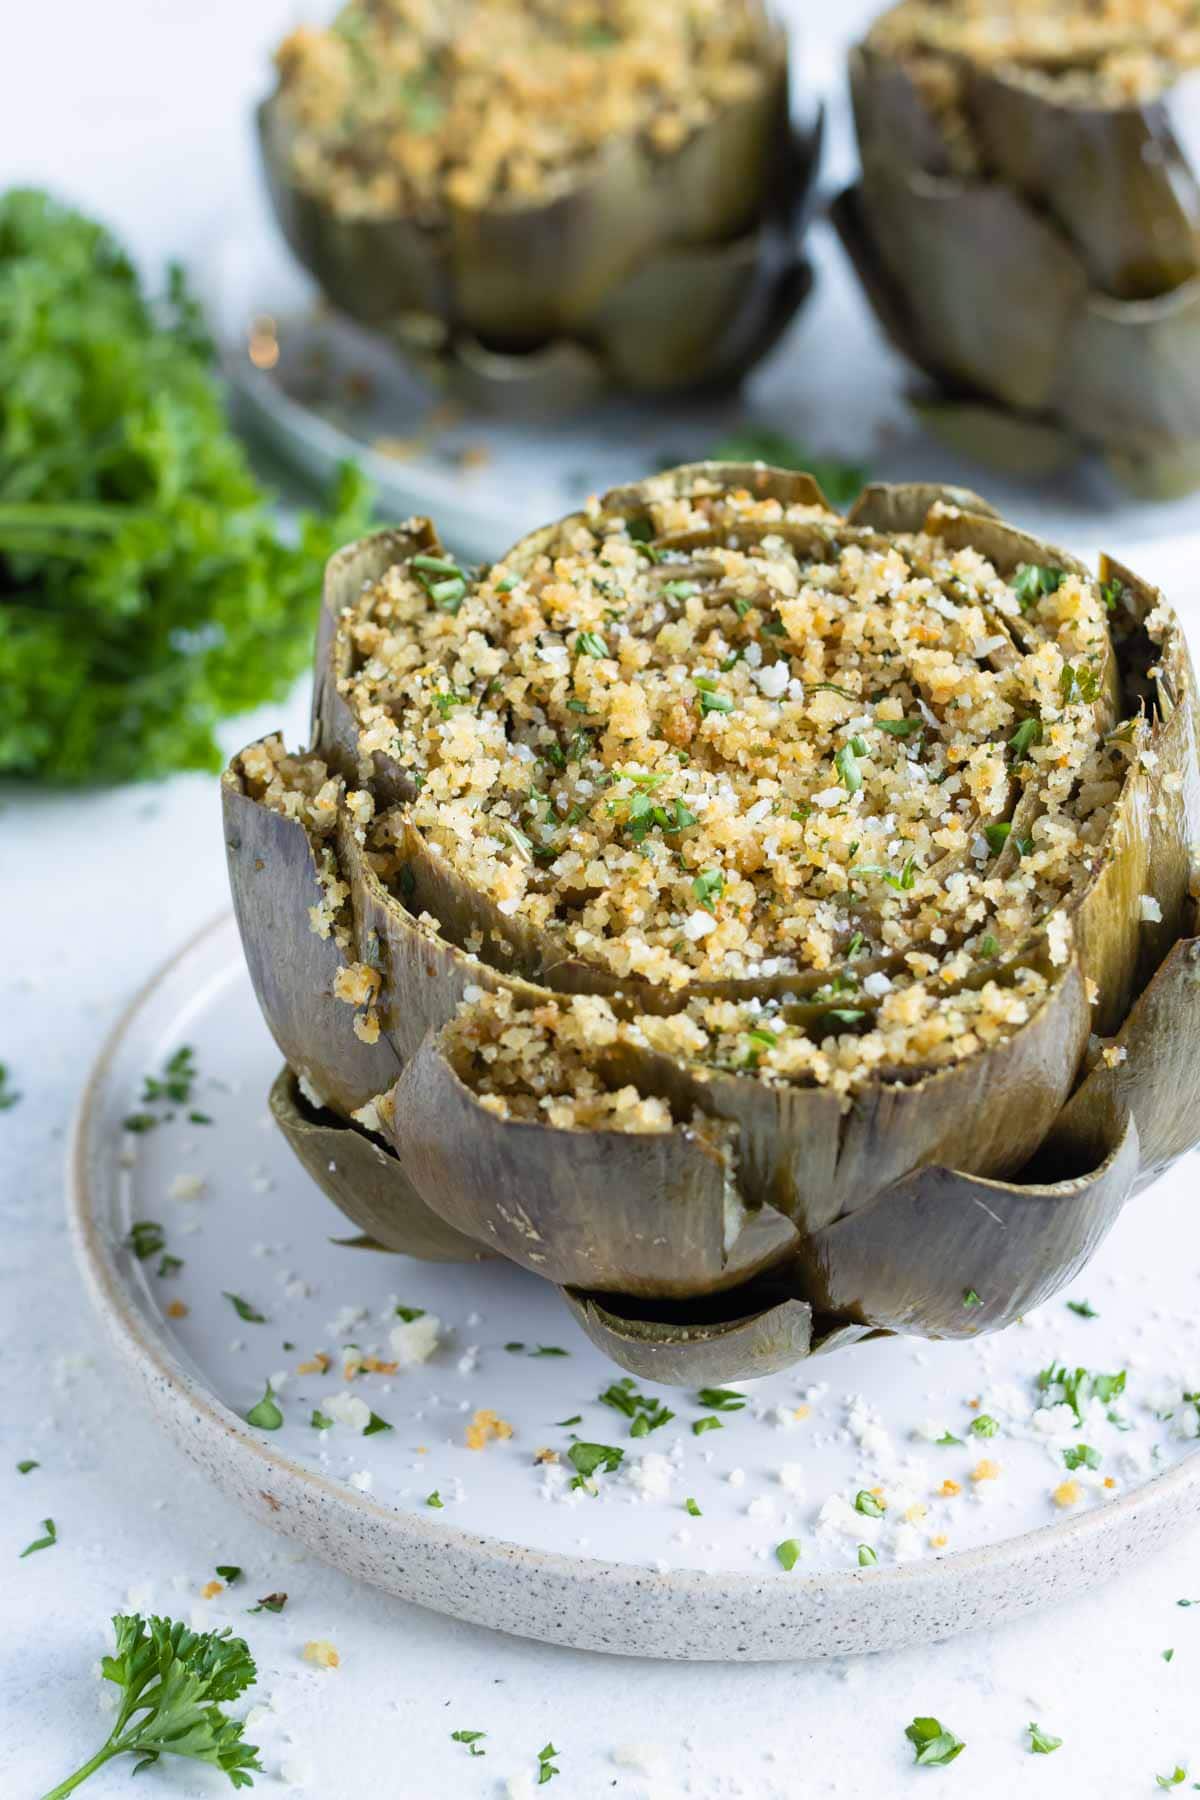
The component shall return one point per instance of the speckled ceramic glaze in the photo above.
(551, 1595)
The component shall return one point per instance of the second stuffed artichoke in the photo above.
(770, 927)
(1027, 225)
(538, 203)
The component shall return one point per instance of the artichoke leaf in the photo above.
(906, 506)
(335, 728)
(366, 1181)
(950, 1254)
(1150, 1070)
(1014, 442)
(1000, 292)
(655, 1213)
(1115, 178)
(791, 487)
(274, 877)
(1129, 383)
(683, 1351)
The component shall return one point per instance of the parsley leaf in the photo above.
(866, 1503)
(589, 1459)
(470, 1739)
(244, 1310)
(1082, 1457)
(721, 1399)
(934, 1746)
(266, 1414)
(546, 1768)
(146, 1238)
(1041, 1743)
(173, 1684)
(1083, 1308)
(43, 1543)
(788, 1553)
(1033, 581)
(8, 1096)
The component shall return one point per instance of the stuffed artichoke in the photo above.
(1027, 225)
(535, 203)
(772, 928)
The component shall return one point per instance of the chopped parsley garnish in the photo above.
(709, 1422)
(1027, 734)
(1040, 1742)
(470, 1739)
(708, 884)
(997, 835)
(546, 1768)
(590, 643)
(266, 1415)
(711, 701)
(27, 1465)
(900, 728)
(934, 1746)
(971, 1298)
(788, 1553)
(175, 1083)
(691, 1508)
(374, 1424)
(846, 764)
(272, 1603)
(409, 1313)
(146, 1238)
(679, 590)
(575, 1419)
(984, 1425)
(200, 1118)
(988, 947)
(590, 1459)
(1034, 581)
(1168, 1656)
(646, 1413)
(173, 1683)
(229, 1573)
(1176, 1779)
(1083, 1309)
(1112, 593)
(948, 1438)
(867, 1557)
(1075, 1387)
(443, 581)
(8, 1096)
(320, 1421)
(435, 1500)
(1078, 684)
(721, 1399)
(244, 1310)
(866, 1503)
(1082, 1457)
(43, 1543)
(549, 1350)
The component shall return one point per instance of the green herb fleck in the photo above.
(26, 1466)
(691, 1507)
(42, 1543)
(867, 1557)
(948, 1438)
(846, 764)
(721, 1399)
(146, 1238)
(984, 1426)
(709, 1422)
(934, 1746)
(8, 1095)
(709, 884)
(788, 1553)
(244, 1310)
(588, 1459)
(229, 1573)
(320, 1421)
(546, 1768)
(470, 1739)
(374, 1424)
(435, 1500)
(1034, 581)
(1041, 1743)
(971, 1298)
(1082, 1457)
(272, 1603)
(590, 643)
(1083, 1308)
(267, 1415)
(866, 1503)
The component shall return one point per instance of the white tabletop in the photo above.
(137, 107)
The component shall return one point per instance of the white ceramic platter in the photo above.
(971, 1532)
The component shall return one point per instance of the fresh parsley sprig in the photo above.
(173, 1684)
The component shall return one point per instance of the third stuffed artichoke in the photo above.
(772, 928)
(1027, 224)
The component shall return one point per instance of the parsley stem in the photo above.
(103, 1755)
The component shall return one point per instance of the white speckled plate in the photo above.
(971, 1533)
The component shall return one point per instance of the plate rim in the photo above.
(148, 1346)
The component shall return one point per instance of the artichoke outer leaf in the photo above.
(893, 312)
(1157, 1080)
(366, 1181)
(1129, 381)
(801, 1154)
(1150, 845)
(905, 506)
(891, 118)
(651, 1214)
(274, 880)
(1032, 448)
(908, 1261)
(990, 287)
(335, 729)
(791, 487)
(658, 1347)
(1115, 178)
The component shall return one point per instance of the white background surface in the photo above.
(137, 107)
